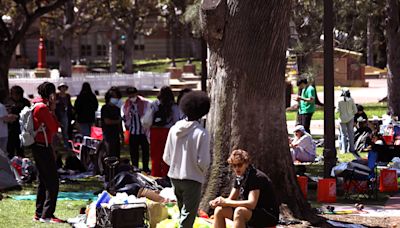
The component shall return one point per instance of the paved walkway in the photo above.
(393, 202)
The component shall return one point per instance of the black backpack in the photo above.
(161, 116)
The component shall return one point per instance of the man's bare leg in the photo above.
(220, 214)
(240, 216)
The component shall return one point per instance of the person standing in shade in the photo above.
(111, 123)
(5, 118)
(346, 109)
(187, 152)
(46, 124)
(64, 111)
(15, 104)
(86, 105)
(165, 115)
(307, 103)
(133, 110)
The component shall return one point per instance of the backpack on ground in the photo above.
(28, 133)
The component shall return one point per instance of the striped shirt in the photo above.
(135, 126)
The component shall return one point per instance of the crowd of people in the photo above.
(161, 123)
(355, 132)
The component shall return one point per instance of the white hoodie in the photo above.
(187, 151)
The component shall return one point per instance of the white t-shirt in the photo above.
(3, 124)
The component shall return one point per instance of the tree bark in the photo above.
(113, 51)
(248, 41)
(393, 56)
(5, 57)
(128, 50)
(370, 40)
(65, 51)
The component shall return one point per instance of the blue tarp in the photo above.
(62, 196)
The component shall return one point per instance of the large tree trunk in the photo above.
(112, 54)
(4, 66)
(128, 50)
(370, 40)
(65, 52)
(248, 40)
(393, 56)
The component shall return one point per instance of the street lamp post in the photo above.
(41, 71)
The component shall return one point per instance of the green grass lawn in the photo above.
(20, 213)
(374, 109)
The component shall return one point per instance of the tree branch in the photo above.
(32, 17)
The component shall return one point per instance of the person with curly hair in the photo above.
(187, 152)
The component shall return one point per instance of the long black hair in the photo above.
(86, 89)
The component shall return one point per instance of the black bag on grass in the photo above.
(132, 215)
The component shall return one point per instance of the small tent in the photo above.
(7, 177)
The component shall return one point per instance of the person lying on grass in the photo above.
(252, 200)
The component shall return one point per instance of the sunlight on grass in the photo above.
(373, 109)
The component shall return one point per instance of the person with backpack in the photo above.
(165, 115)
(187, 152)
(133, 110)
(45, 126)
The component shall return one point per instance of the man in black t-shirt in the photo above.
(111, 124)
(252, 199)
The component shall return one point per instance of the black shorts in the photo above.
(262, 218)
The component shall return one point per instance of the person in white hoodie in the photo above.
(187, 152)
(346, 109)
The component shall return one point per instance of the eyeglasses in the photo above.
(238, 166)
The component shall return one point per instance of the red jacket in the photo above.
(42, 114)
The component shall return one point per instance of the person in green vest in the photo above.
(306, 103)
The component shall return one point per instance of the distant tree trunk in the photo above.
(393, 56)
(370, 51)
(128, 50)
(65, 53)
(113, 51)
(248, 41)
(5, 57)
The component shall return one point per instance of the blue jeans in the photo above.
(372, 157)
(347, 136)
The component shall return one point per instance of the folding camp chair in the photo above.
(357, 180)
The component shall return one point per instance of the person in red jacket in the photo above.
(45, 120)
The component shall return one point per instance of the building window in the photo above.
(101, 50)
(50, 48)
(86, 50)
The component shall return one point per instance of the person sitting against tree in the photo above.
(302, 147)
(252, 199)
